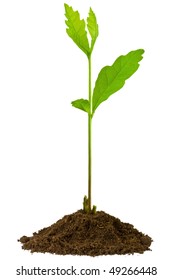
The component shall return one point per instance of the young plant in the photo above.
(110, 79)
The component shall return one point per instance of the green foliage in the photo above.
(112, 78)
(82, 104)
(92, 27)
(77, 31)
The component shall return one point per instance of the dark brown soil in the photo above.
(88, 234)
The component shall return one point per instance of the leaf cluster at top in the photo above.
(76, 29)
(111, 78)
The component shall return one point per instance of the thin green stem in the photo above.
(89, 135)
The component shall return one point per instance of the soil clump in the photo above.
(88, 234)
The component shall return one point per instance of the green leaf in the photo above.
(112, 78)
(76, 29)
(92, 27)
(82, 104)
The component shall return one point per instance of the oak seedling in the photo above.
(110, 79)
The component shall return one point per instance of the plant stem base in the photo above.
(88, 234)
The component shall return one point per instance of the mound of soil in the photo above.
(88, 234)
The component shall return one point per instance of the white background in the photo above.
(43, 139)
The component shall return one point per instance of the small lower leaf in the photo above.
(82, 104)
